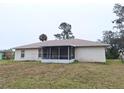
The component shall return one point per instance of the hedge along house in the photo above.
(62, 51)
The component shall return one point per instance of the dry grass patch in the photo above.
(78, 75)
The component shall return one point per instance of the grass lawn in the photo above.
(75, 75)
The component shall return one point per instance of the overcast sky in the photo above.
(22, 21)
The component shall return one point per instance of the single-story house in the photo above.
(62, 51)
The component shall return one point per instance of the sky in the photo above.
(22, 21)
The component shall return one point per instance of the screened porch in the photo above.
(58, 52)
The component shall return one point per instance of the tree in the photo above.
(66, 33)
(58, 36)
(119, 11)
(115, 38)
(43, 37)
(109, 38)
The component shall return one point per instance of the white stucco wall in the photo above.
(82, 54)
(30, 54)
(90, 54)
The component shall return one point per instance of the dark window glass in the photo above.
(22, 53)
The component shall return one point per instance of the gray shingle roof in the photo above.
(71, 42)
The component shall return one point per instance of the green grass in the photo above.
(77, 75)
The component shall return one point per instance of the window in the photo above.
(22, 53)
(39, 53)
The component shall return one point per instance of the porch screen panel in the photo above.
(46, 53)
(54, 53)
(63, 52)
(71, 52)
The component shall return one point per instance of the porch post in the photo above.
(58, 52)
(41, 53)
(68, 52)
(50, 54)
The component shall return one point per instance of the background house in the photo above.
(1, 55)
(6, 54)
